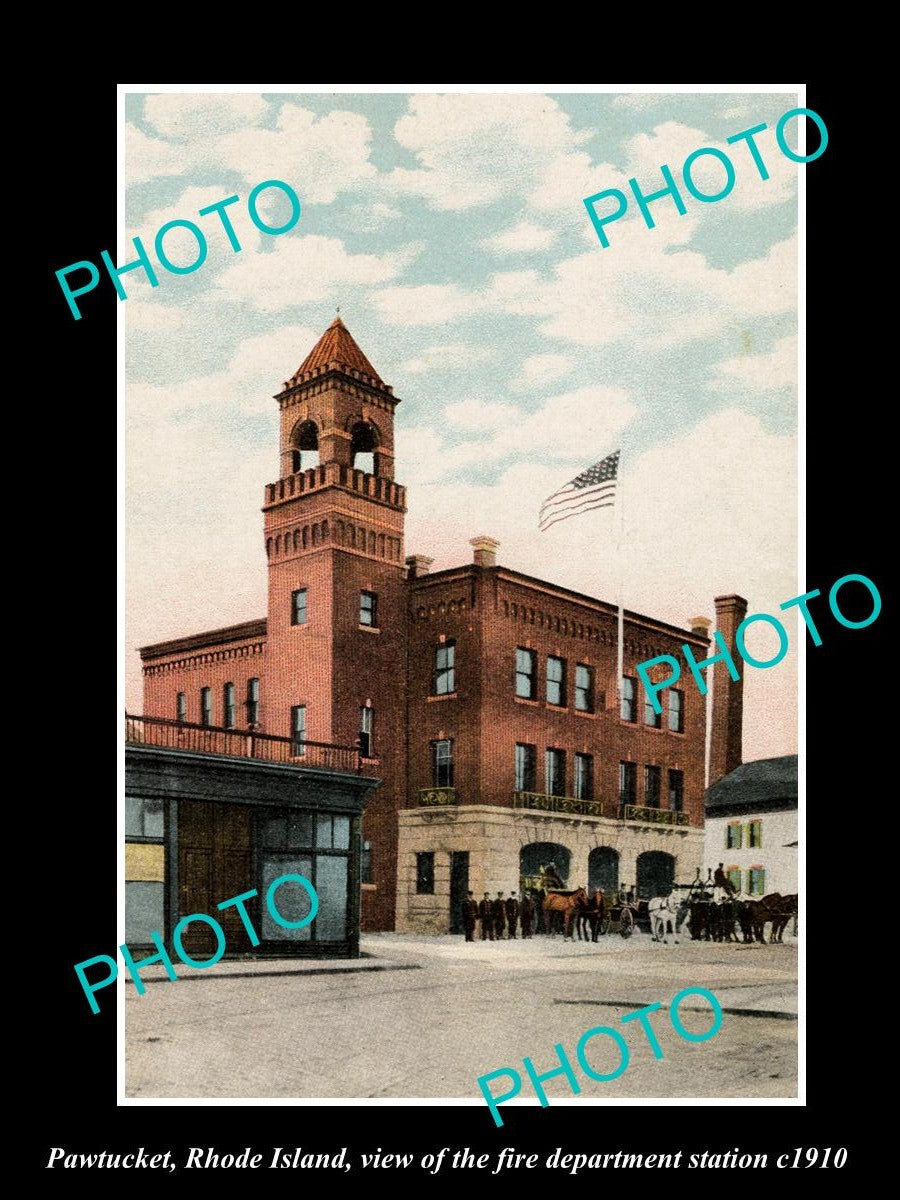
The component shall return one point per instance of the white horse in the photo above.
(666, 917)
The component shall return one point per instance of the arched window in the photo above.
(363, 444)
(304, 446)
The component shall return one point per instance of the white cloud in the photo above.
(519, 239)
(481, 416)
(472, 149)
(640, 101)
(186, 117)
(539, 369)
(149, 157)
(443, 358)
(306, 270)
(760, 372)
(373, 217)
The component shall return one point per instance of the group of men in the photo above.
(498, 917)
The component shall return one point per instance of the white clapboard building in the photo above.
(751, 826)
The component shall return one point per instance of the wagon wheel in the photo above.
(626, 923)
(604, 924)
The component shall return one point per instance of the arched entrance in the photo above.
(305, 446)
(603, 870)
(543, 854)
(655, 874)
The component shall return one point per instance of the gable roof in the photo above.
(766, 782)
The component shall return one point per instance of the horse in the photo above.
(566, 905)
(590, 916)
(775, 908)
(666, 917)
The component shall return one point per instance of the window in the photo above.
(181, 707)
(584, 776)
(445, 669)
(526, 663)
(628, 783)
(676, 791)
(651, 716)
(365, 863)
(556, 772)
(228, 705)
(676, 710)
(556, 681)
(425, 874)
(628, 712)
(298, 730)
(756, 881)
(252, 701)
(315, 845)
(206, 706)
(651, 786)
(298, 607)
(442, 763)
(143, 818)
(144, 912)
(733, 836)
(368, 609)
(365, 731)
(526, 767)
(754, 835)
(734, 877)
(584, 688)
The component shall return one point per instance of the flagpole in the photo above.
(620, 642)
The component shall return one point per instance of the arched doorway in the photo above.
(543, 854)
(655, 874)
(603, 870)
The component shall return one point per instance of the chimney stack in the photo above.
(485, 551)
(726, 749)
(417, 565)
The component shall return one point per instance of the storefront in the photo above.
(202, 828)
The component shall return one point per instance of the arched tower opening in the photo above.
(305, 446)
(363, 445)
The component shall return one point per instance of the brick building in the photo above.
(484, 699)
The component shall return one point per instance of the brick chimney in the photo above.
(725, 750)
(700, 626)
(485, 551)
(417, 565)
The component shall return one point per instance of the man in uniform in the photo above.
(526, 915)
(512, 913)
(486, 917)
(469, 915)
(721, 880)
(498, 909)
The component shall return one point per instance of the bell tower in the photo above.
(336, 637)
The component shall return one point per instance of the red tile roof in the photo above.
(337, 347)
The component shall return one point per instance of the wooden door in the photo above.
(214, 864)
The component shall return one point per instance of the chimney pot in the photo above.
(417, 565)
(700, 626)
(486, 548)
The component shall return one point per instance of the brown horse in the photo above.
(567, 905)
(775, 908)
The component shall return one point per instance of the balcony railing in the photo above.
(239, 743)
(654, 816)
(437, 795)
(560, 804)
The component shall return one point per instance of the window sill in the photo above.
(371, 762)
(581, 712)
(556, 707)
(446, 696)
(653, 728)
(369, 628)
(677, 732)
(368, 887)
(530, 703)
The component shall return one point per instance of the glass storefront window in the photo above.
(144, 912)
(291, 899)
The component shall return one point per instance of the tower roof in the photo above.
(337, 348)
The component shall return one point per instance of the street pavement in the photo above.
(421, 1016)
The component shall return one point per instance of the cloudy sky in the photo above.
(451, 232)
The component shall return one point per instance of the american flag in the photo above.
(593, 488)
